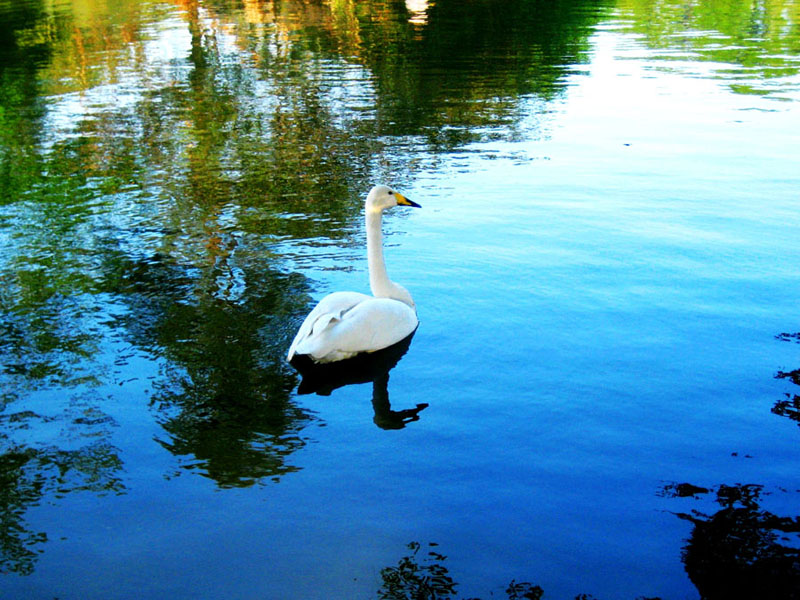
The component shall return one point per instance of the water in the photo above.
(605, 267)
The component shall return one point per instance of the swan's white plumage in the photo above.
(344, 324)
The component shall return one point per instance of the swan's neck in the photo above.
(379, 281)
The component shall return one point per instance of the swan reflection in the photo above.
(323, 378)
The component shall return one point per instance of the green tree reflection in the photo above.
(457, 77)
(428, 82)
(759, 42)
(45, 339)
(223, 396)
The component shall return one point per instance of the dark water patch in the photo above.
(739, 548)
(790, 407)
(423, 574)
(789, 337)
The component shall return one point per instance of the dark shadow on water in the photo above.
(323, 379)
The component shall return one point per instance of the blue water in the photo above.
(602, 267)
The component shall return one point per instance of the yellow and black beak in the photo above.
(403, 201)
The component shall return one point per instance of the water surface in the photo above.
(605, 268)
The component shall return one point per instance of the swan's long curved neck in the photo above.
(379, 281)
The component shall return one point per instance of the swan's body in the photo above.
(344, 324)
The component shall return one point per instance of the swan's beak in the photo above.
(403, 201)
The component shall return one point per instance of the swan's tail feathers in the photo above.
(302, 333)
(307, 338)
(323, 323)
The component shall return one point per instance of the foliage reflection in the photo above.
(757, 42)
(790, 407)
(30, 473)
(741, 550)
(223, 394)
(423, 575)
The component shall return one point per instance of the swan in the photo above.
(344, 324)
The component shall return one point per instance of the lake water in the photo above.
(605, 265)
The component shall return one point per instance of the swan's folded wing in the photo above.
(376, 324)
(368, 326)
(331, 308)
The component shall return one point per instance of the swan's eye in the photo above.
(391, 193)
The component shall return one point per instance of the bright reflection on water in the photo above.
(602, 395)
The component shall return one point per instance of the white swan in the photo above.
(344, 324)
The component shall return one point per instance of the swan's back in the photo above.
(344, 324)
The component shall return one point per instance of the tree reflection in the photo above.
(430, 88)
(29, 473)
(223, 397)
(742, 550)
(790, 407)
(423, 79)
(423, 576)
(48, 333)
(371, 367)
(759, 40)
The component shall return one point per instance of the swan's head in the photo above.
(382, 197)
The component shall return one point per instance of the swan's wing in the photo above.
(375, 324)
(330, 308)
(367, 326)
